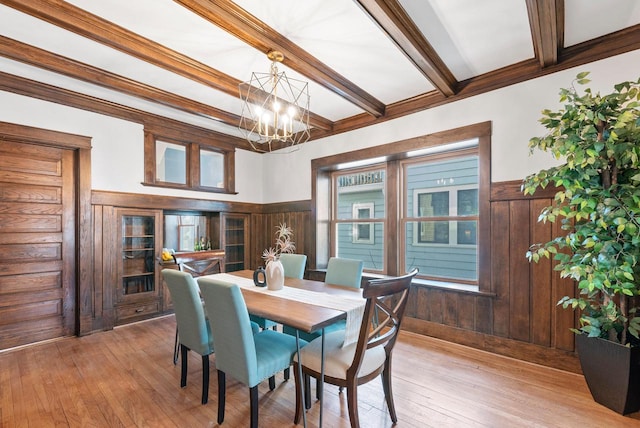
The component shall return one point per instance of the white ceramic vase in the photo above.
(274, 274)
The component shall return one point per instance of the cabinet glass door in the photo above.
(234, 242)
(138, 251)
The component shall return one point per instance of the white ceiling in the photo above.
(472, 38)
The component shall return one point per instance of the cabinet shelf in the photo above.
(134, 275)
(138, 246)
(235, 234)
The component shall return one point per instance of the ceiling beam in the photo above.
(246, 27)
(46, 60)
(546, 19)
(43, 91)
(394, 21)
(83, 23)
(597, 49)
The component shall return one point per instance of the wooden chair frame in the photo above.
(386, 302)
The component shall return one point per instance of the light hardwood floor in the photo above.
(125, 378)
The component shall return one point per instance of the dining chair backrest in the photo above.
(201, 263)
(351, 365)
(347, 272)
(294, 265)
(231, 328)
(190, 316)
(386, 300)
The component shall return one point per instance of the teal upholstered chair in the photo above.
(340, 271)
(247, 357)
(294, 266)
(195, 334)
(347, 272)
(358, 363)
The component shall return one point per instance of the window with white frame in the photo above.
(441, 206)
(363, 232)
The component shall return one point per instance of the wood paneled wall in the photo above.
(297, 216)
(518, 317)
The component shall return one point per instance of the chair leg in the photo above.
(183, 374)
(287, 373)
(222, 387)
(352, 403)
(272, 383)
(299, 410)
(253, 399)
(388, 392)
(307, 391)
(318, 389)
(176, 349)
(205, 379)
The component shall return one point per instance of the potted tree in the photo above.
(598, 204)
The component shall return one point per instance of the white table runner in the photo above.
(354, 307)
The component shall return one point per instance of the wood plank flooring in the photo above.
(125, 378)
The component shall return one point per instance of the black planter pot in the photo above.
(612, 372)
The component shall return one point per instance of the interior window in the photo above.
(187, 161)
(171, 162)
(211, 169)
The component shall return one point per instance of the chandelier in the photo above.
(275, 109)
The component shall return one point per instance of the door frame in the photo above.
(81, 146)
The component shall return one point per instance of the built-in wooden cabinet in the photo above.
(234, 236)
(138, 242)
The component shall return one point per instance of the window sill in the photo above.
(452, 286)
(184, 187)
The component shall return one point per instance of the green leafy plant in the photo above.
(597, 203)
(284, 244)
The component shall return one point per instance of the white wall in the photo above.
(118, 162)
(514, 112)
(117, 156)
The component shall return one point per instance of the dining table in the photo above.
(303, 304)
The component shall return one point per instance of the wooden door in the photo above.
(37, 243)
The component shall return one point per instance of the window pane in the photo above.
(434, 204)
(370, 251)
(438, 190)
(211, 169)
(171, 163)
(468, 202)
(363, 189)
(433, 232)
(444, 261)
(467, 232)
(457, 178)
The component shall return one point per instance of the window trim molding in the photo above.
(321, 183)
(193, 142)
